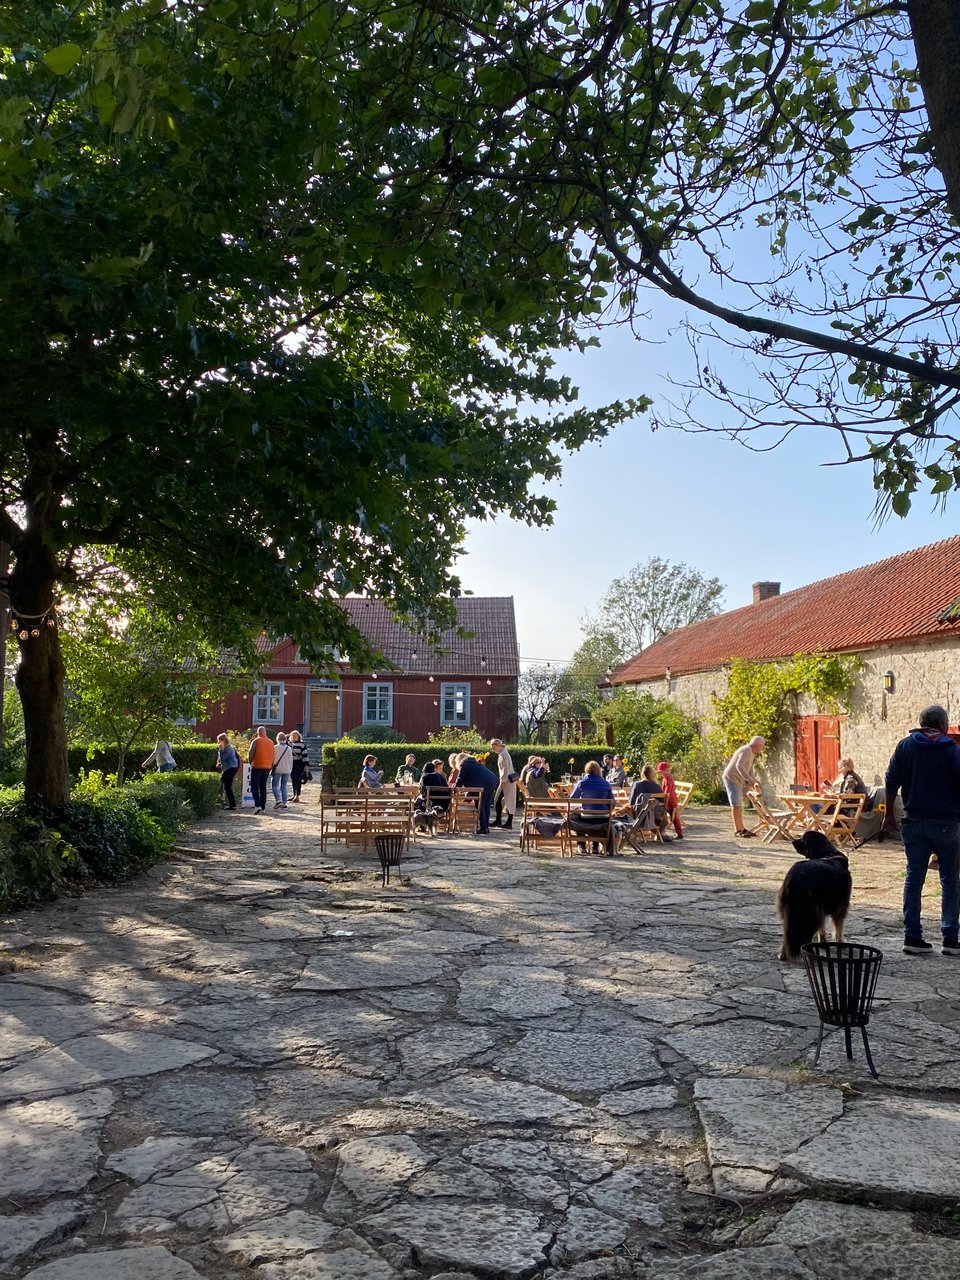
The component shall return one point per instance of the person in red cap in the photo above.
(669, 788)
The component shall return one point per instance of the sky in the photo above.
(723, 510)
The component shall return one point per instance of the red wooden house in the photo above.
(470, 681)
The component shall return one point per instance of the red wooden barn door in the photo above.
(816, 750)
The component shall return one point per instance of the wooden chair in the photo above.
(772, 823)
(533, 839)
(650, 815)
(684, 792)
(465, 809)
(389, 815)
(441, 799)
(843, 826)
(590, 819)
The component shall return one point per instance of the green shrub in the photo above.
(35, 860)
(346, 758)
(166, 802)
(200, 790)
(702, 764)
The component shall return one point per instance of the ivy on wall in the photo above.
(759, 697)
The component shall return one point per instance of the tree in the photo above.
(133, 676)
(653, 598)
(260, 338)
(540, 694)
(313, 260)
(589, 667)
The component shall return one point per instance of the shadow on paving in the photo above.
(262, 1063)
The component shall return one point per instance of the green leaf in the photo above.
(63, 58)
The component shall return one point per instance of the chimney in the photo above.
(765, 591)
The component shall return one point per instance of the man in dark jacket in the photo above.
(474, 774)
(925, 766)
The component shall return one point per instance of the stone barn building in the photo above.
(900, 616)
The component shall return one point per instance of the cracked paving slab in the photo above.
(311, 1078)
(92, 1060)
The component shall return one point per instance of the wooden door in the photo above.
(324, 713)
(816, 750)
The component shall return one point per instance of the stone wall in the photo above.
(923, 672)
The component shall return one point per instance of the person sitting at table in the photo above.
(616, 775)
(643, 787)
(592, 786)
(471, 773)
(436, 783)
(438, 766)
(847, 782)
(534, 779)
(408, 773)
(371, 778)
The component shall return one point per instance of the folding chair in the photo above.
(591, 819)
(684, 792)
(843, 827)
(772, 822)
(465, 809)
(441, 800)
(650, 814)
(545, 824)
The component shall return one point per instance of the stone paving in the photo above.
(255, 1062)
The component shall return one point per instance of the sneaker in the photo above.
(916, 947)
(277, 804)
(745, 833)
(950, 946)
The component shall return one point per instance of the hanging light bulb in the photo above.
(433, 679)
(51, 622)
(24, 634)
(489, 681)
(35, 632)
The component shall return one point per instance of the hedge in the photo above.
(197, 756)
(346, 760)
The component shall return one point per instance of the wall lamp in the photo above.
(888, 682)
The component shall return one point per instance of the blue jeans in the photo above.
(279, 785)
(921, 838)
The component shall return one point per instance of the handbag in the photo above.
(513, 777)
(307, 775)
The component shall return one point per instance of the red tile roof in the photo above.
(906, 597)
(491, 651)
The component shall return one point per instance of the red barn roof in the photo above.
(907, 597)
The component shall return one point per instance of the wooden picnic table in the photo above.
(810, 812)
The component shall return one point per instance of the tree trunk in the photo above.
(40, 672)
(935, 26)
(40, 683)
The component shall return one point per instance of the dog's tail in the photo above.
(801, 916)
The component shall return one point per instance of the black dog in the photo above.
(811, 891)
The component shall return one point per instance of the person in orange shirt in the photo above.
(668, 786)
(261, 762)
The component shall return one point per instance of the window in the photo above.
(268, 703)
(455, 704)
(378, 704)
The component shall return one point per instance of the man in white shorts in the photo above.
(739, 779)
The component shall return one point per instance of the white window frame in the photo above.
(382, 692)
(455, 691)
(264, 695)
